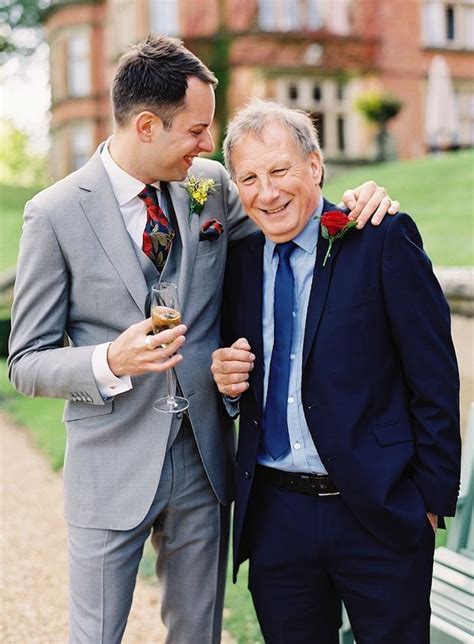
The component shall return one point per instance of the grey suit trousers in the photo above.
(189, 529)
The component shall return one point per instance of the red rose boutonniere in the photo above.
(334, 224)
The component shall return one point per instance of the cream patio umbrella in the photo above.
(441, 113)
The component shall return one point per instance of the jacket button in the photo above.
(246, 475)
(255, 422)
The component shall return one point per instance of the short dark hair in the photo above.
(153, 75)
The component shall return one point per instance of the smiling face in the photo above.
(172, 151)
(278, 185)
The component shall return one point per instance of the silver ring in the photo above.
(148, 343)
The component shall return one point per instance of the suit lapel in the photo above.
(103, 213)
(189, 235)
(320, 286)
(252, 279)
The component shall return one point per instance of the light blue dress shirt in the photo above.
(303, 456)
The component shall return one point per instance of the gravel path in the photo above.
(33, 538)
(33, 563)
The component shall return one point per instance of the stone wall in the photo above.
(457, 283)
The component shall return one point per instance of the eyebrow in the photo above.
(271, 166)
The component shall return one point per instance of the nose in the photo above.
(206, 143)
(268, 192)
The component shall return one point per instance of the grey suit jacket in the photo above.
(80, 273)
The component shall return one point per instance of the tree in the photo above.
(20, 26)
(379, 108)
(18, 164)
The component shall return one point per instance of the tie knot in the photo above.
(148, 192)
(284, 250)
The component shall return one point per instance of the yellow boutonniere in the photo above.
(198, 190)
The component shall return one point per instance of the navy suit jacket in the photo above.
(380, 385)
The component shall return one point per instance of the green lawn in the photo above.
(12, 201)
(437, 191)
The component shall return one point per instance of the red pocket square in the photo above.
(211, 230)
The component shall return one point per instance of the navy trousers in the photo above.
(307, 553)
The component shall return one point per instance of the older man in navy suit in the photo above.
(338, 344)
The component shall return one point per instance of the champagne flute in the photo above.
(165, 314)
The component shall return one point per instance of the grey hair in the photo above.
(253, 119)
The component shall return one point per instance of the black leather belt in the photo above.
(314, 484)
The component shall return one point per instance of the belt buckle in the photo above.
(326, 493)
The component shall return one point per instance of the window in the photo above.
(338, 17)
(292, 92)
(465, 102)
(314, 15)
(318, 120)
(266, 15)
(78, 65)
(164, 18)
(341, 141)
(290, 19)
(303, 15)
(82, 143)
(468, 26)
(329, 103)
(448, 24)
(121, 27)
(340, 91)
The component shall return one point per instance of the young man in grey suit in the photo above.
(84, 270)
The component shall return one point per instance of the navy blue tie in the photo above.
(276, 438)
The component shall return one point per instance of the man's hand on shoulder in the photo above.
(231, 367)
(369, 201)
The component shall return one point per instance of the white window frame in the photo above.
(435, 24)
(465, 103)
(164, 17)
(304, 15)
(79, 81)
(81, 141)
(329, 105)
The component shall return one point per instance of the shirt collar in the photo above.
(125, 186)
(308, 237)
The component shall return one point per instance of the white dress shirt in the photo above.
(302, 455)
(126, 189)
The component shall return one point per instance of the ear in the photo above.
(147, 125)
(316, 167)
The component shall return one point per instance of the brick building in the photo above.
(318, 55)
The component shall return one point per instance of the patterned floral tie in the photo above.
(158, 234)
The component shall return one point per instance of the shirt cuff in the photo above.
(108, 384)
(232, 405)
